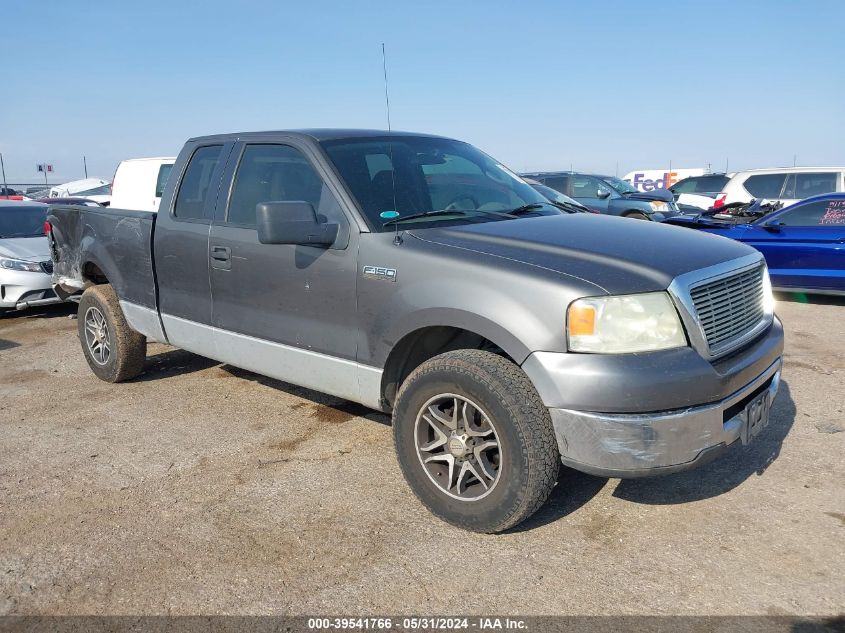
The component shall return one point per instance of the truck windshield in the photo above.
(395, 176)
(22, 221)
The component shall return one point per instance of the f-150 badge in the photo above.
(377, 272)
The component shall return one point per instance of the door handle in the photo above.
(221, 253)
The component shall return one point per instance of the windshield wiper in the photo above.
(570, 208)
(527, 208)
(461, 213)
(424, 214)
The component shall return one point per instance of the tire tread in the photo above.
(532, 421)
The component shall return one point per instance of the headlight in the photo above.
(657, 205)
(768, 295)
(624, 324)
(19, 264)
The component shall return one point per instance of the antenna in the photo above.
(397, 239)
(386, 93)
(3, 166)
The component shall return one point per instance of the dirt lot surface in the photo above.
(201, 488)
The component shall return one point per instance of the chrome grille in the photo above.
(47, 267)
(729, 308)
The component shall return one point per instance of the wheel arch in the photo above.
(427, 340)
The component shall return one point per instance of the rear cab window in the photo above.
(193, 190)
(161, 180)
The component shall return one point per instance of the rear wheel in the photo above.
(474, 440)
(114, 351)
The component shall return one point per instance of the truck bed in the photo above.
(117, 243)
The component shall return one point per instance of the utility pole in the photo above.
(85, 165)
(3, 167)
(794, 159)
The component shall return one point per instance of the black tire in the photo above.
(529, 461)
(127, 350)
(636, 215)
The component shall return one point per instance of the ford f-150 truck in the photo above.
(416, 275)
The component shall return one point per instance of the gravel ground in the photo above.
(201, 488)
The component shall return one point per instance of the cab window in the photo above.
(193, 190)
(588, 187)
(278, 173)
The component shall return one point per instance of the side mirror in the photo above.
(292, 223)
(773, 226)
(601, 194)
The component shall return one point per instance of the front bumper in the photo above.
(22, 289)
(646, 444)
(634, 415)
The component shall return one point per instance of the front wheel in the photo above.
(474, 440)
(636, 215)
(114, 351)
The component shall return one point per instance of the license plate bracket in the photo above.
(755, 418)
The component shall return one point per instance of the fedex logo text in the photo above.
(647, 184)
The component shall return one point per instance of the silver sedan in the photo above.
(25, 264)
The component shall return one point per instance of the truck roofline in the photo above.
(316, 134)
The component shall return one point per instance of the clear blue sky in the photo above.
(539, 85)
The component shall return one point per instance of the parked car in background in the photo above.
(25, 264)
(100, 195)
(698, 192)
(609, 195)
(558, 199)
(415, 274)
(784, 184)
(139, 183)
(7, 193)
(804, 244)
(75, 187)
(651, 179)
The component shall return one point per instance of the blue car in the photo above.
(804, 244)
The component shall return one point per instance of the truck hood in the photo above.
(619, 255)
(32, 249)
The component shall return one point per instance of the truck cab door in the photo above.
(284, 310)
(181, 247)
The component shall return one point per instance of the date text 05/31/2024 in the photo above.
(422, 623)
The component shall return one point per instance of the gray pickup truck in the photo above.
(416, 275)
